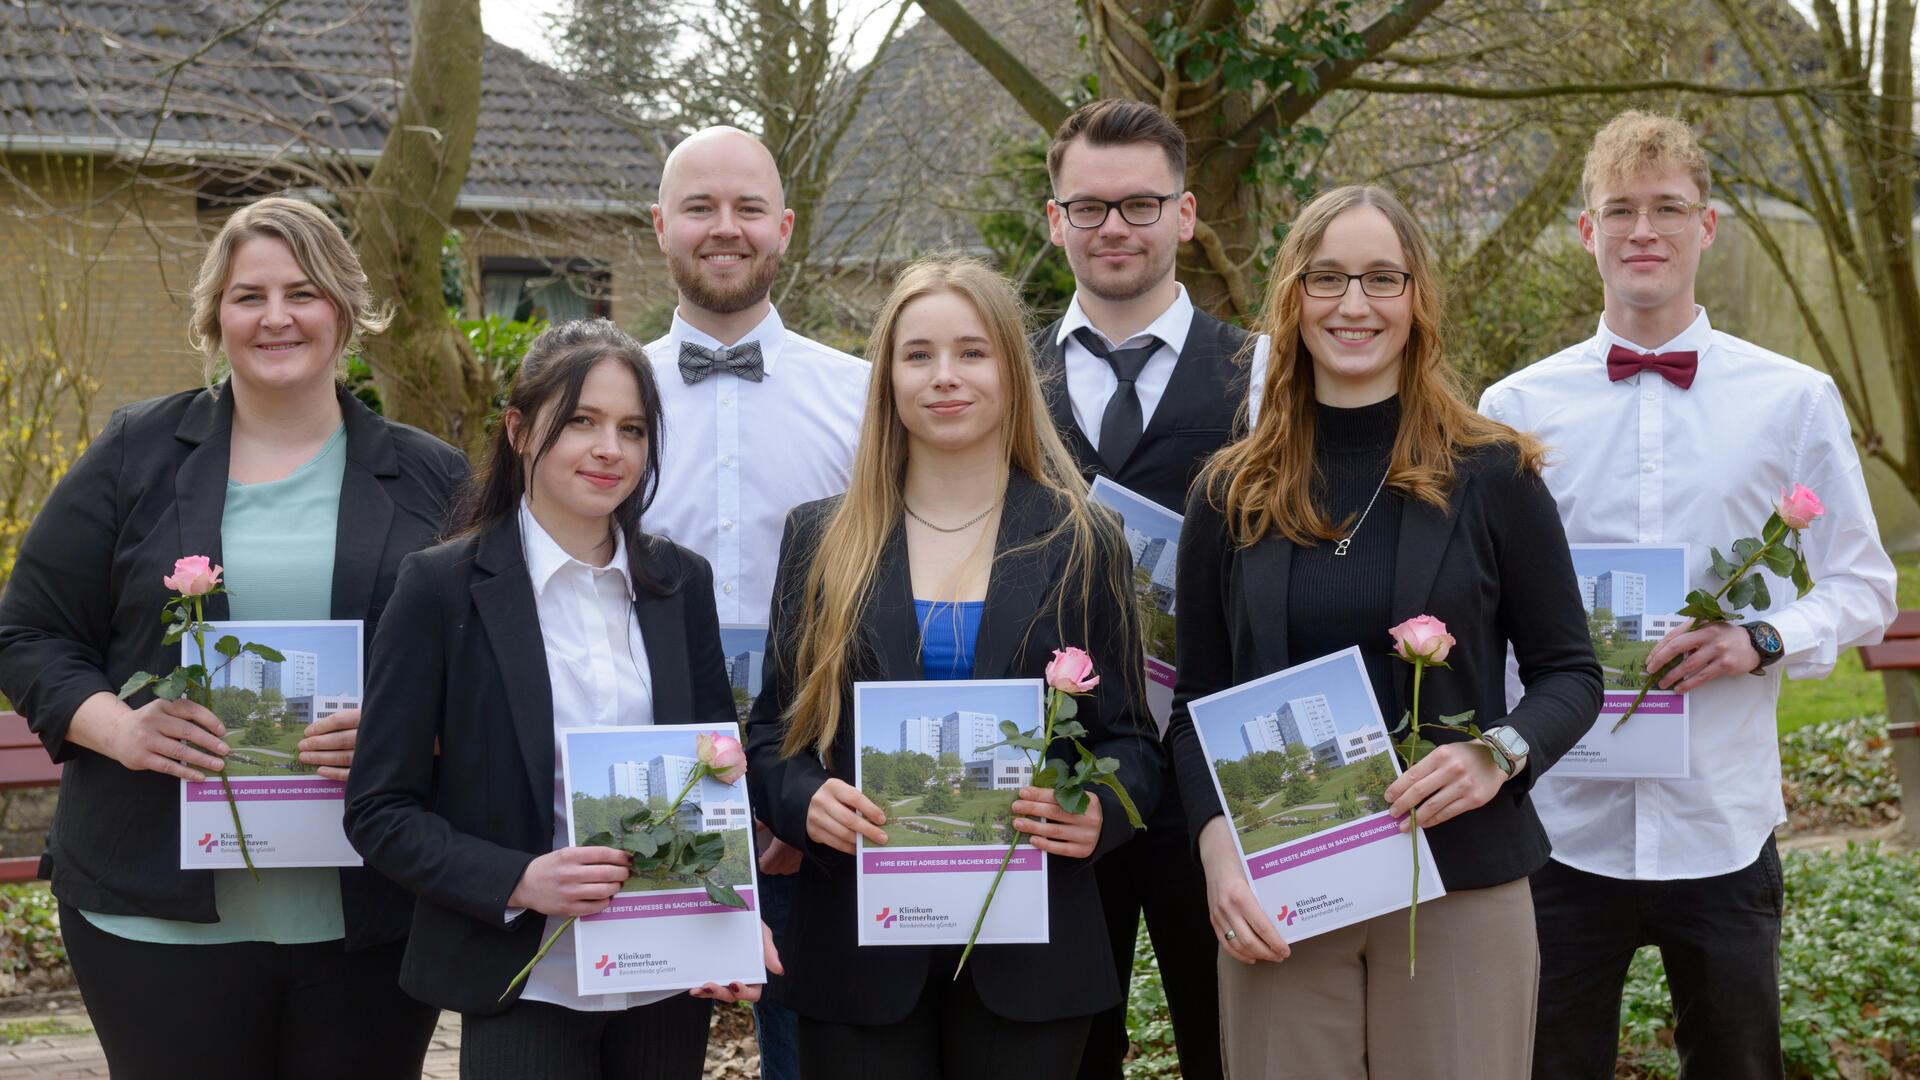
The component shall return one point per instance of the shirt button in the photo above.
(728, 400)
(1647, 468)
(726, 523)
(726, 459)
(1648, 396)
(727, 588)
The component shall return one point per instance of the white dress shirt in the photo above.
(1643, 461)
(739, 454)
(597, 666)
(1091, 381)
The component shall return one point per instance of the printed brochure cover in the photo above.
(1153, 538)
(927, 757)
(291, 814)
(661, 932)
(1301, 762)
(1630, 592)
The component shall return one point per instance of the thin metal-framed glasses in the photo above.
(1379, 284)
(1134, 210)
(1666, 218)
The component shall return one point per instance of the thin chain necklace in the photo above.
(968, 524)
(1341, 547)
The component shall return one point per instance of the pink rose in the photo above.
(1071, 671)
(1422, 637)
(194, 575)
(1799, 507)
(722, 756)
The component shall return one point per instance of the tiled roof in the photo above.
(313, 79)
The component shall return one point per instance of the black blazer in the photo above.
(829, 977)
(459, 665)
(1199, 412)
(82, 613)
(1495, 568)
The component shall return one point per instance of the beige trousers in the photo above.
(1342, 1007)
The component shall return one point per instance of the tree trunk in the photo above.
(425, 369)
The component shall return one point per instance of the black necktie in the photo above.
(1120, 425)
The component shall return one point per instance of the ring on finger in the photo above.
(1231, 936)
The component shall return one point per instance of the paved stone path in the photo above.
(77, 1055)
(71, 1056)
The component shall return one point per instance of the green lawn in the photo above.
(1851, 690)
(908, 825)
(282, 762)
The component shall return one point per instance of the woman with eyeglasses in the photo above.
(1369, 492)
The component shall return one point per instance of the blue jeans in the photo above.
(775, 1027)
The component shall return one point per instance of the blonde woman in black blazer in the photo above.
(280, 295)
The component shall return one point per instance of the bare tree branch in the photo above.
(1528, 93)
(1039, 101)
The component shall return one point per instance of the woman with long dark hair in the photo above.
(1369, 492)
(550, 609)
(309, 501)
(965, 548)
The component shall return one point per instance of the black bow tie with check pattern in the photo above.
(697, 361)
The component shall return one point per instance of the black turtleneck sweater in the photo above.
(1334, 601)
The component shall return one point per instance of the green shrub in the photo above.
(30, 931)
(1153, 1056)
(1850, 994)
(1839, 774)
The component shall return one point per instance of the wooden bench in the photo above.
(1897, 659)
(23, 764)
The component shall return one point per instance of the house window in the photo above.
(554, 290)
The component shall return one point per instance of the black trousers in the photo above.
(1719, 938)
(250, 1010)
(1156, 873)
(534, 1040)
(949, 1035)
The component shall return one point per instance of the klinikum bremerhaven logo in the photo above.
(604, 965)
(910, 917)
(207, 842)
(1286, 915)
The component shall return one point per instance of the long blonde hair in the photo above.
(840, 580)
(1267, 481)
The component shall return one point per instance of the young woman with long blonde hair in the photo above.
(965, 547)
(1369, 492)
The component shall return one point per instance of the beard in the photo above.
(1118, 290)
(690, 277)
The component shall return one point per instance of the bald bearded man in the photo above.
(758, 420)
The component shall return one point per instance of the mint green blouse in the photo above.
(276, 543)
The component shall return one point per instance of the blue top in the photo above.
(276, 544)
(947, 634)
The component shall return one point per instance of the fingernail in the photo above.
(225, 749)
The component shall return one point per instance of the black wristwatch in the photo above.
(1766, 642)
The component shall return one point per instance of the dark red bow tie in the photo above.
(1677, 368)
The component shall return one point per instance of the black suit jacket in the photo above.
(459, 665)
(831, 978)
(1199, 412)
(1494, 567)
(82, 613)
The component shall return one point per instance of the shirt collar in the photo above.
(1695, 338)
(770, 333)
(1170, 327)
(545, 556)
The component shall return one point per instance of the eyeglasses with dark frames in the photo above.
(1134, 210)
(1379, 284)
(1666, 217)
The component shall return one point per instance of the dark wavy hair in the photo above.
(551, 374)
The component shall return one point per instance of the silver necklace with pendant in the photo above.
(1341, 547)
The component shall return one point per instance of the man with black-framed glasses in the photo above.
(1143, 388)
(1668, 431)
